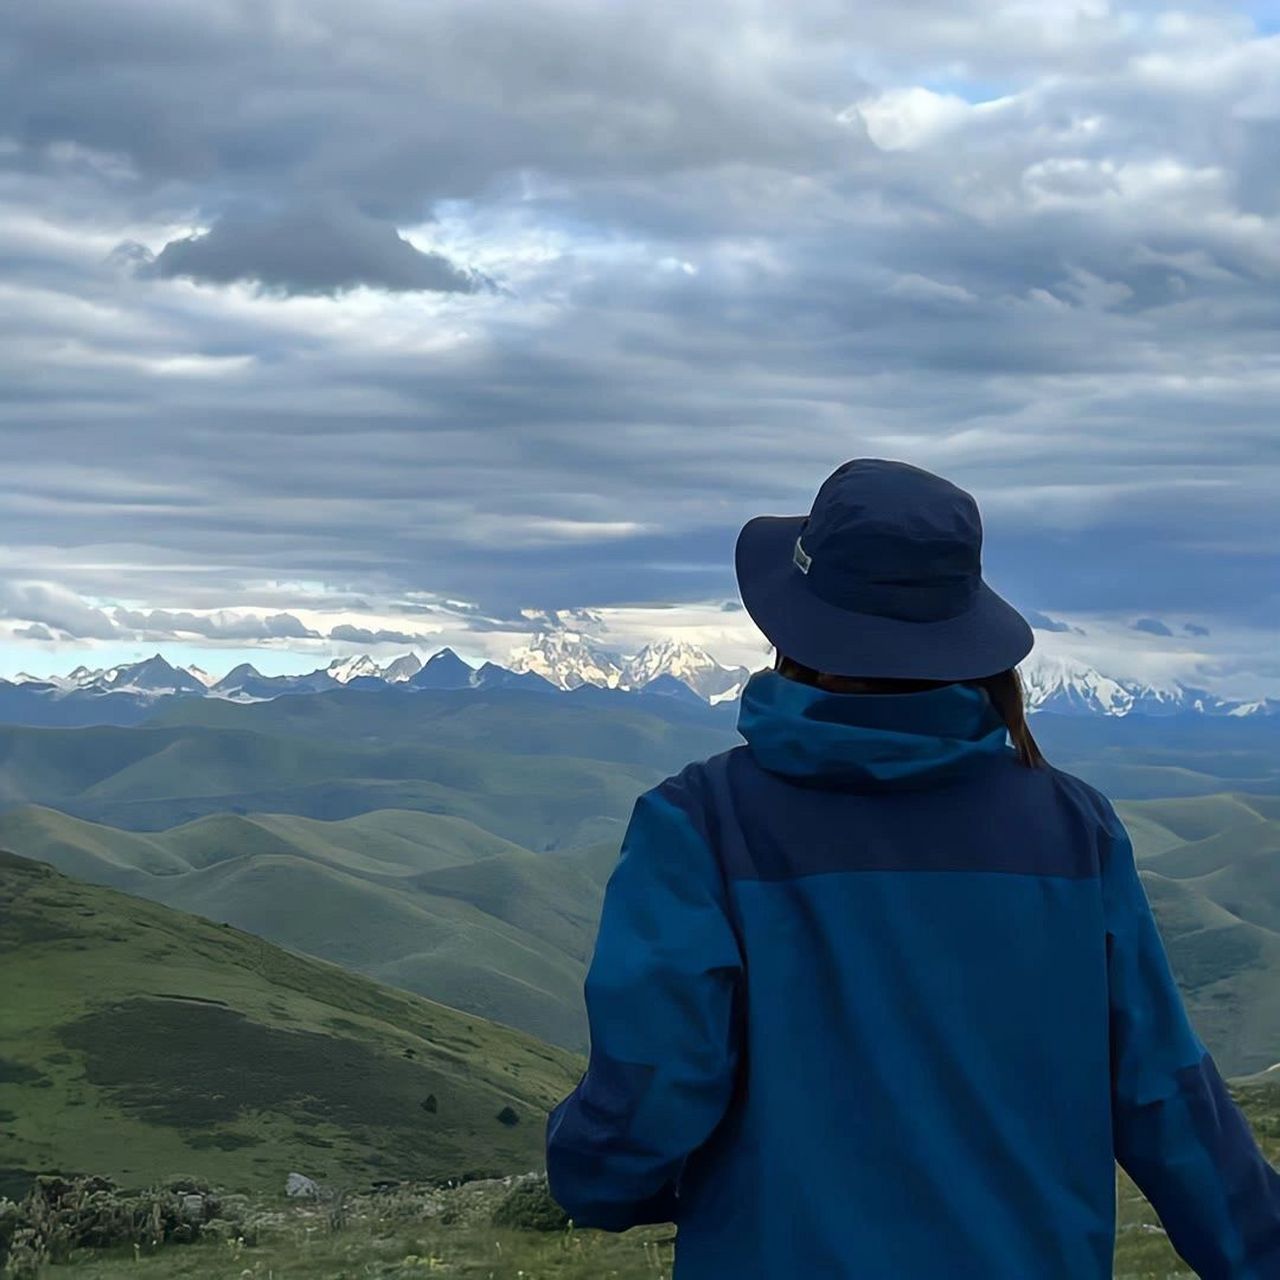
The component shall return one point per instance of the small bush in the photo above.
(528, 1206)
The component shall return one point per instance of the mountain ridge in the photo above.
(555, 662)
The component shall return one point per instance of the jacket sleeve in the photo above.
(662, 1004)
(1177, 1131)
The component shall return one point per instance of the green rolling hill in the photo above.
(438, 906)
(137, 1042)
(390, 846)
(1229, 973)
(427, 902)
(1211, 867)
(1186, 821)
(149, 779)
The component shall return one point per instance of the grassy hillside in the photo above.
(136, 1042)
(427, 902)
(149, 779)
(390, 846)
(1211, 867)
(1229, 973)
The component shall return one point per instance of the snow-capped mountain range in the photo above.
(569, 659)
(1067, 686)
(561, 660)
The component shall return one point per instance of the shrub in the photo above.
(528, 1206)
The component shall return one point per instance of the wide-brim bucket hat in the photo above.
(883, 578)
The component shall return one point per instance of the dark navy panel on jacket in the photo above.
(773, 830)
(872, 999)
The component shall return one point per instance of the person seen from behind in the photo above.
(878, 993)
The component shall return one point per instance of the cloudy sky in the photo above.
(329, 327)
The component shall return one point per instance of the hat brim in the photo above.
(988, 637)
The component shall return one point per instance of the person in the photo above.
(878, 993)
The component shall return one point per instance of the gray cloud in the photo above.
(36, 631)
(309, 251)
(166, 623)
(48, 609)
(1043, 622)
(1195, 629)
(363, 635)
(1152, 626)
(53, 607)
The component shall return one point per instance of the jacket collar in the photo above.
(875, 740)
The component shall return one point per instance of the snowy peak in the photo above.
(1069, 686)
(1260, 707)
(691, 665)
(363, 667)
(567, 659)
(1066, 686)
(403, 668)
(345, 669)
(152, 676)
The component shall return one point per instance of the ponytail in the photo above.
(1008, 695)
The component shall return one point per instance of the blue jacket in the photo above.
(870, 998)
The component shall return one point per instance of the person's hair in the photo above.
(1004, 688)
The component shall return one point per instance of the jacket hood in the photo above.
(879, 740)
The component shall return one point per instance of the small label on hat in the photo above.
(801, 557)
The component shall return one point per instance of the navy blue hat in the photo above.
(883, 577)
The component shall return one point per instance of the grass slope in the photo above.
(427, 902)
(136, 1041)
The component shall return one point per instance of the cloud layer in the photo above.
(533, 306)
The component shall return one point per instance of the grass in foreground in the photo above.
(450, 1232)
(374, 1252)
